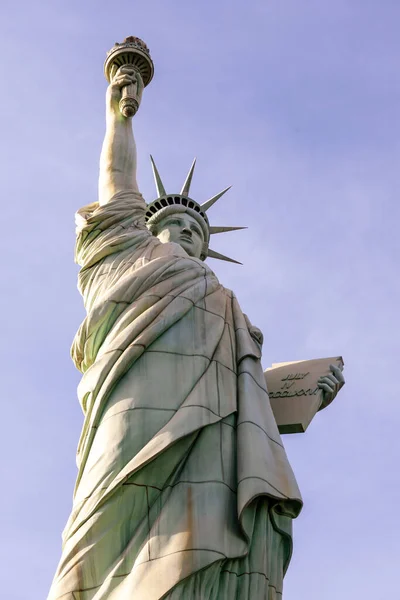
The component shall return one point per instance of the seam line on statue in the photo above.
(179, 353)
(112, 268)
(180, 296)
(122, 349)
(174, 271)
(89, 589)
(152, 560)
(233, 347)
(190, 356)
(179, 552)
(148, 521)
(172, 485)
(145, 296)
(135, 408)
(146, 561)
(208, 311)
(220, 427)
(173, 296)
(266, 481)
(205, 286)
(255, 381)
(219, 341)
(190, 287)
(228, 424)
(217, 382)
(190, 284)
(195, 305)
(213, 313)
(242, 329)
(108, 268)
(223, 365)
(221, 452)
(199, 406)
(247, 573)
(145, 485)
(270, 585)
(263, 430)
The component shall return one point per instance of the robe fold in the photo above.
(184, 490)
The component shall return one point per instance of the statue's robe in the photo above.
(184, 489)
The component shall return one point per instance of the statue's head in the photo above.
(183, 229)
(179, 219)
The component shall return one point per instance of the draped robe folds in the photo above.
(184, 489)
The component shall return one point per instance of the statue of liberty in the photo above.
(184, 490)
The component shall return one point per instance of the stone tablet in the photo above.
(294, 393)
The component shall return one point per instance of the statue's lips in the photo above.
(184, 238)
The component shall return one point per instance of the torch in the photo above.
(134, 53)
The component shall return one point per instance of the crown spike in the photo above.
(159, 184)
(186, 186)
(213, 254)
(212, 200)
(214, 229)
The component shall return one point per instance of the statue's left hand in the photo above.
(255, 333)
(331, 383)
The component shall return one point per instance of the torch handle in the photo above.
(128, 105)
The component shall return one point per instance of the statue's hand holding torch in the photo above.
(128, 69)
(124, 93)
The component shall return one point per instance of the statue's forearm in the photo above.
(117, 160)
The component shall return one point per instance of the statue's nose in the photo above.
(187, 231)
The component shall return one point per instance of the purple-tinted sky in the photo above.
(296, 104)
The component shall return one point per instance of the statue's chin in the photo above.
(188, 247)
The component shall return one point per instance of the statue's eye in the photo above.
(174, 222)
(196, 230)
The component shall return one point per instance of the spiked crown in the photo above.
(167, 204)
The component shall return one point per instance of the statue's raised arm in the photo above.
(128, 69)
(118, 155)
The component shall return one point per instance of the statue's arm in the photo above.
(118, 154)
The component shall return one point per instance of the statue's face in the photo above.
(184, 230)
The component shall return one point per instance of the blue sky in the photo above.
(296, 104)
